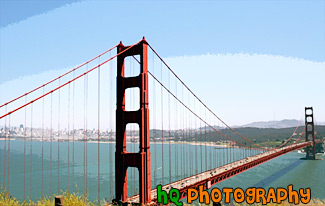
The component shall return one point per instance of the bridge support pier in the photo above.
(310, 133)
(123, 158)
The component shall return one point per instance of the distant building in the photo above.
(21, 128)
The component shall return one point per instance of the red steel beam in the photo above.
(237, 170)
(208, 182)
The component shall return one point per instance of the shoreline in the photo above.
(209, 144)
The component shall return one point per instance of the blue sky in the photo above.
(37, 37)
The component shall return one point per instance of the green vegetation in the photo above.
(74, 199)
(269, 137)
(313, 202)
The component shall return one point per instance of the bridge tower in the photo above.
(310, 133)
(123, 158)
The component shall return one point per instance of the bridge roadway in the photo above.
(214, 176)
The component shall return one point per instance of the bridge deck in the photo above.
(214, 176)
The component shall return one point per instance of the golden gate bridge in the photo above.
(143, 81)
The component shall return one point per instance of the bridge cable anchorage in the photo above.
(72, 80)
(53, 80)
(202, 101)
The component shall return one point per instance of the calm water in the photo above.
(280, 172)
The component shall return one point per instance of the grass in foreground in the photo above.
(76, 199)
(73, 199)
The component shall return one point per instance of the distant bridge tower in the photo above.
(310, 133)
(123, 158)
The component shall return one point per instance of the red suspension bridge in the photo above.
(77, 107)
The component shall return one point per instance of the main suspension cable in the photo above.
(53, 80)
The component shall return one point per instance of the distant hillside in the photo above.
(257, 135)
(286, 123)
(274, 124)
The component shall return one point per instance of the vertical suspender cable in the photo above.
(201, 145)
(59, 138)
(84, 136)
(69, 138)
(227, 162)
(187, 145)
(220, 152)
(8, 157)
(25, 151)
(190, 136)
(186, 165)
(176, 135)
(73, 131)
(162, 126)
(183, 137)
(51, 134)
(186, 148)
(5, 152)
(98, 154)
(231, 151)
(43, 146)
(169, 152)
(189, 164)
(224, 149)
(195, 136)
(214, 148)
(205, 139)
(154, 122)
(214, 140)
(31, 152)
(210, 152)
(111, 125)
(87, 132)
